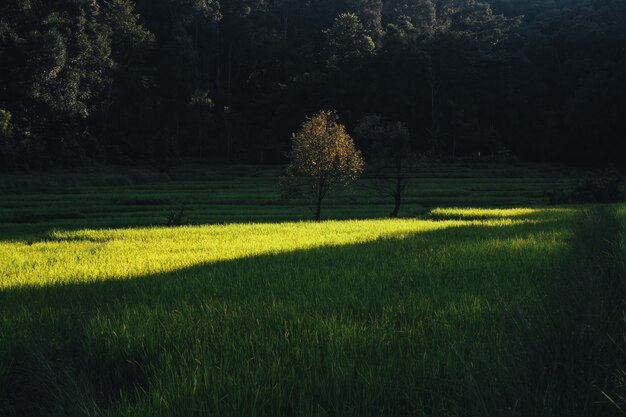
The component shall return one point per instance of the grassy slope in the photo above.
(481, 315)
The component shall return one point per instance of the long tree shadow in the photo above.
(67, 348)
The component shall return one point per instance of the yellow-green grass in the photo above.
(88, 255)
(466, 312)
(482, 213)
(349, 318)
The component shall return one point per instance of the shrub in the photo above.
(593, 188)
(176, 217)
(599, 188)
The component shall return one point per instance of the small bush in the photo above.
(599, 188)
(176, 217)
(593, 188)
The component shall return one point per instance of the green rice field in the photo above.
(480, 301)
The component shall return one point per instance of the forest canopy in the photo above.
(160, 81)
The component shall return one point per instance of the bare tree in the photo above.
(392, 159)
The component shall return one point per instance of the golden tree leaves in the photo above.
(324, 152)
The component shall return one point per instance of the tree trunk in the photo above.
(177, 128)
(228, 139)
(218, 72)
(105, 113)
(396, 208)
(454, 147)
(200, 141)
(397, 194)
(318, 207)
(433, 96)
(230, 73)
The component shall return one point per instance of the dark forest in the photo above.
(158, 82)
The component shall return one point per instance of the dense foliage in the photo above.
(126, 81)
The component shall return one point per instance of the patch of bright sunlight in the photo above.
(90, 255)
(490, 213)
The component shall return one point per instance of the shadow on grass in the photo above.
(245, 277)
(67, 349)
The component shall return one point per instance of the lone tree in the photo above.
(324, 155)
(388, 147)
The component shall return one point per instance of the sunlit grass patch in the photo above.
(413, 317)
(267, 317)
(448, 315)
(88, 255)
(469, 213)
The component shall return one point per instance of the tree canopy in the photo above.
(157, 81)
(324, 154)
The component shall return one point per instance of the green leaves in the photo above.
(347, 41)
(129, 37)
(473, 20)
(5, 122)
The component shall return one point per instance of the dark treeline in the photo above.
(158, 81)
